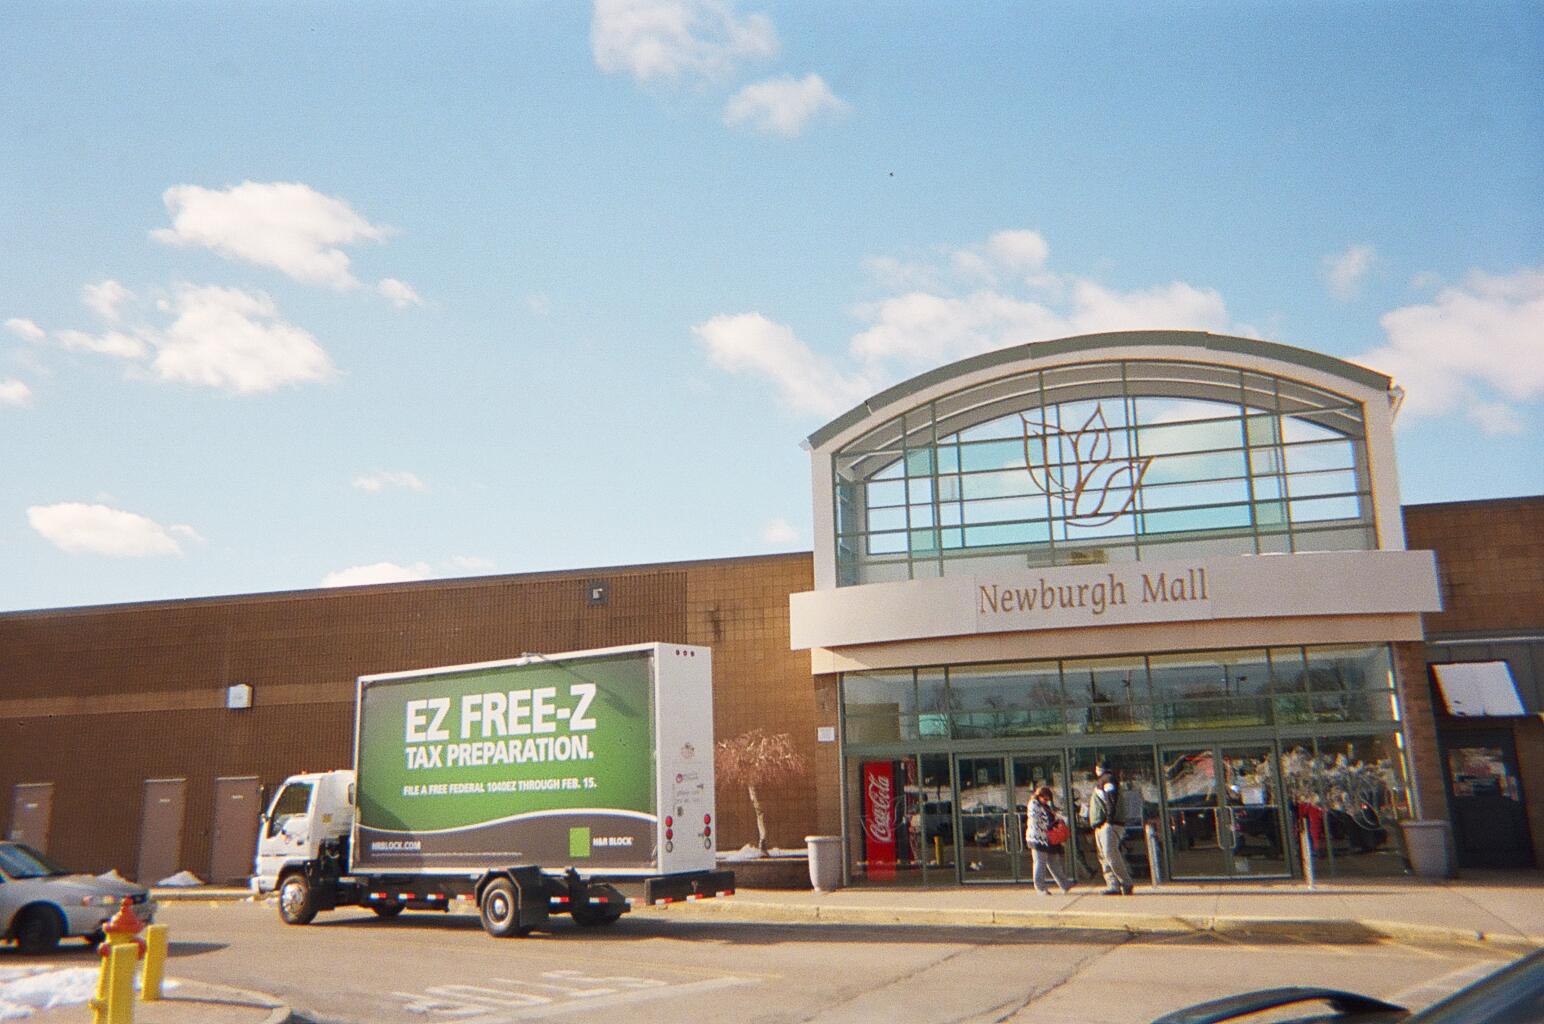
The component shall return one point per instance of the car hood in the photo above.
(88, 885)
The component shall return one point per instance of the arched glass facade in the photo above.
(1103, 461)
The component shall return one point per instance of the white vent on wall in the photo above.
(238, 696)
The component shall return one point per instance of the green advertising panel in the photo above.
(457, 750)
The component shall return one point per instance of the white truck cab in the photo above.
(307, 810)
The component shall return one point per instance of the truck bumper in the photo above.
(697, 885)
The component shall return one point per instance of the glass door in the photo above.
(1223, 812)
(1030, 772)
(987, 827)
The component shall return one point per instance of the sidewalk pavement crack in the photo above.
(1077, 971)
(892, 983)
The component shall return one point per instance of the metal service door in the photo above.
(160, 830)
(237, 807)
(31, 808)
(1223, 812)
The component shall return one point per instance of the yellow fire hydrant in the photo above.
(114, 1000)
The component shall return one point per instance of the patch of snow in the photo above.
(182, 879)
(112, 876)
(25, 989)
(751, 852)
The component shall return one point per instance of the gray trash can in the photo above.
(1427, 844)
(825, 862)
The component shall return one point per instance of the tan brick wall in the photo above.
(96, 700)
(1415, 700)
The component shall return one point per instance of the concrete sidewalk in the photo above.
(1505, 910)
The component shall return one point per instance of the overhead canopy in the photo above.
(1479, 688)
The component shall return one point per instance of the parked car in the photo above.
(1512, 995)
(41, 902)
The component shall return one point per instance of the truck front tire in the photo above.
(297, 905)
(589, 917)
(499, 909)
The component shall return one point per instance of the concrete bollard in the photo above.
(1307, 843)
(155, 963)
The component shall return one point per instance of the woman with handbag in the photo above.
(1044, 835)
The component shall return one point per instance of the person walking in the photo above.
(1105, 817)
(1044, 825)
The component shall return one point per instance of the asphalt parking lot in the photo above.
(351, 968)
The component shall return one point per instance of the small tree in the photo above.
(754, 759)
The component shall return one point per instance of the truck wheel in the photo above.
(296, 905)
(500, 910)
(39, 932)
(387, 911)
(589, 917)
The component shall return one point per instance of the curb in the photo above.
(278, 1012)
(183, 894)
(1320, 930)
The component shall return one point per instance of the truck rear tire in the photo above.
(387, 911)
(297, 905)
(499, 909)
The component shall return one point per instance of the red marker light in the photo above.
(707, 819)
(669, 834)
(669, 821)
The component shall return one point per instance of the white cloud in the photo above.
(749, 343)
(25, 329)
(1477, 347)
(234, 340)
(471, 563)
(104, 299)
(782, 106)
(1344, 272)
(109, 343)
(378, 572)
(779, 532)
(288, 226)
(933, 323)
(14, 392)
(100, 530)
(670, 39)
(377, 482)
(399, 293)
(538, 303)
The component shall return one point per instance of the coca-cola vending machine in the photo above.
(885, 840)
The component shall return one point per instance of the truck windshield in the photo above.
(20, 861)
(294, 800)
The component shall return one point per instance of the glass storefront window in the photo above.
(1208, 691)
(1348, 792)
(1106, 694)
(879, 707)
(1006, 700)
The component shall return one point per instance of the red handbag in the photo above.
(1058, 833)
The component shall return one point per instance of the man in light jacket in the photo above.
(1104, 816)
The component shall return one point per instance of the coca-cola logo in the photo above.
(880, 823)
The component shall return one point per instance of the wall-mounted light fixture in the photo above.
(238, 696)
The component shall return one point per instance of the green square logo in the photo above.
(579, 842)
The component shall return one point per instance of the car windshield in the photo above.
(20, 861)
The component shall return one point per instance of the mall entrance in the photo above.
(1222, 807)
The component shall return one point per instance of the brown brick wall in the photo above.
(1490, 560)
(97, 700)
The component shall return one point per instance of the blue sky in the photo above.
(306, 294)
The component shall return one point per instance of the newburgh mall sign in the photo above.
(1070, 597)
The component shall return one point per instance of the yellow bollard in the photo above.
(114, 1002)
(155, 963)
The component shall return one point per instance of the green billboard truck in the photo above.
(543, 784)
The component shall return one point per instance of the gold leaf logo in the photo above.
(1079, 470)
